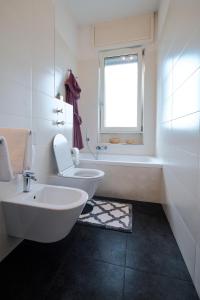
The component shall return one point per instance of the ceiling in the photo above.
(93, 11)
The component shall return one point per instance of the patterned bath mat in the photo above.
(109, 214)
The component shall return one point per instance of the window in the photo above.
(120, 91)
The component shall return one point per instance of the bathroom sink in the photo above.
(46, 214)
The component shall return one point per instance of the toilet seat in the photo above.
(69, 175)
(80, 173)
(65, 163)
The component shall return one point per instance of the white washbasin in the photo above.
(46, 214)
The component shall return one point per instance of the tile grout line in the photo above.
(123, 288)
(159, 274)
(124, 279)
(108, 263)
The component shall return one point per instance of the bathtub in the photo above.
(127, 177)
(122, 160)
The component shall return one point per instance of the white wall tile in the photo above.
(186, 98)
(185, 133)
(43, 36)
(64, 60)
(15, 98)
(28, 72)
(184, 202)
(183, 236)
(178, 134)
(43, 106)
(9, 120)
(15, 46)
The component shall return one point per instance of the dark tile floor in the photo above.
(98, 264)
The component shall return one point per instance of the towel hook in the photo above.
(70, 70)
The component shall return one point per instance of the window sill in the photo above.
(121, 139)
(120, 132)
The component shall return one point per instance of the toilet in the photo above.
(69, 175)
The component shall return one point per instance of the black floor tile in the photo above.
(143, 286)
(155, 263)
(90, 264)
(28, 272)
(149, 242)
(157, 255)
(80, 279)
(146, 224)
(99, 244)
(153, 209)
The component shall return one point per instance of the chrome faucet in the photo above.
(27, 176)
(60, 123)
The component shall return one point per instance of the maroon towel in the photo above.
(73, 91)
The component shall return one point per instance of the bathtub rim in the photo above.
(155, 163)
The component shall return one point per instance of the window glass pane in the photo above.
(121, 91)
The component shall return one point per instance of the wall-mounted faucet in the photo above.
(101, 148)
(27, 176)
(60, 123)
(57, 110)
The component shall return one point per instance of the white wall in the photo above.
(88, 70)
(131, 30)
(66, 44)
(178, 124)
(31, 74)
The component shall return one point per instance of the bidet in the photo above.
(46, 214)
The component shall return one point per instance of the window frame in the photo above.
(112, 53)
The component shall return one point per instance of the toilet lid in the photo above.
(62, 153)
